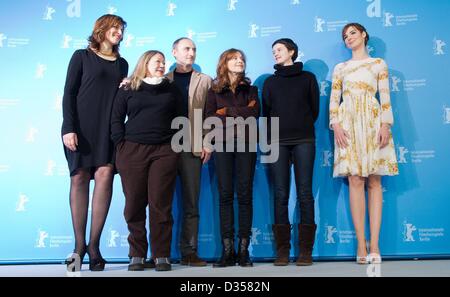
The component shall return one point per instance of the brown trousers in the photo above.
(148, 174)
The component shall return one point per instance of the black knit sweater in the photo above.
(292, 95)
(150, 111)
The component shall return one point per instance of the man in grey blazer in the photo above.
(194, 87)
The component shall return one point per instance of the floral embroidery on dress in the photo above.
(361, 115)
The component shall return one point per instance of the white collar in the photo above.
(153, 80)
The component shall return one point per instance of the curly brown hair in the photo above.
(103, 24)
(222, 80)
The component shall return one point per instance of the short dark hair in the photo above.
(175, 43)
(358, 27)
(289, 44)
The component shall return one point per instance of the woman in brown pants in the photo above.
(145, 159)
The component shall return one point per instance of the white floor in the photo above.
(420, 268)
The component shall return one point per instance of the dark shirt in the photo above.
(236, 103)
(182, 81)
(292, 95)
(91, 86)
(150, 111)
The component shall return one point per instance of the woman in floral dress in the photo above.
(364, 148)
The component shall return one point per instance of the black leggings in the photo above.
(235, 169)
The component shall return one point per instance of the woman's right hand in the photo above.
(70, 140)
(124, 82)
(340, 135)
(222, 111)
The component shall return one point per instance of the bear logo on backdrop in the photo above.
(329, 234)
(408, 230)
(318, 24)
(439, 47)
(51, 165)
(326, 158)
(42, 236)
(31, 135)
(387, 19)
(323, 88)
(49, 11)
(255, 233)
(20, 207)
(128, 39)
(190, 33)
(402, 151)
(113, 235)
(395, 82)
(232, 5)
(171, 9)
(66, 41)
(252, 32)
(40, 69)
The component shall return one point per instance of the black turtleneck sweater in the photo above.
(150, 111)
(292, 95)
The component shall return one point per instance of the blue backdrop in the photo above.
(37, 39)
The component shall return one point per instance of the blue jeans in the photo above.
(302, 157)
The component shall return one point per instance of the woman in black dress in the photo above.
(93, 78)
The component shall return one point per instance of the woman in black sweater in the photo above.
(232, 96)
(92, 81)
(292, 95)
(144, 157)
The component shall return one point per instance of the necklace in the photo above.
(97, 51)
(107, 54)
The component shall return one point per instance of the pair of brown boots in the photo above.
(282, 234)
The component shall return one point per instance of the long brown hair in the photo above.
(140, 70)
(103, 24)
(222, 80)
(358, 27)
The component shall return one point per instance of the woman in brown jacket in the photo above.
(232, 96)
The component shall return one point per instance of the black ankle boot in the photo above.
(243, 255)
(228, 257)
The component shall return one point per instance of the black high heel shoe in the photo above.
(96, 264)
(75, 261)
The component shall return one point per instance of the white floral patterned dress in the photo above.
(360, 114)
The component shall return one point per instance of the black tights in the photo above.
(79, 203)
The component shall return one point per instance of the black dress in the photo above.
(91, 85)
